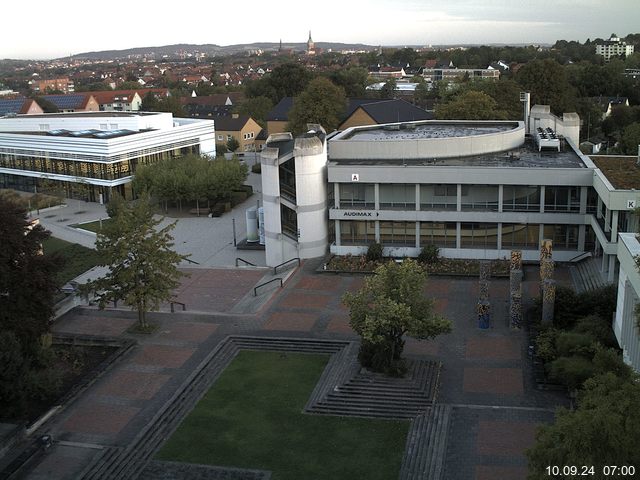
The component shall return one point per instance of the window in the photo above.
(564, 237)
(480, 197)
(398, 233)
(220, 137)
(520, 235)
(355, 232)
(398, 196)
(357, 195)
(521, 198)
(479, 235)
(438, 234)
(561, 199)
(229, 137)
(438, 197)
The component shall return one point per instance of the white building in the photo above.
(625, 325)
(100, 150)
(613, 47)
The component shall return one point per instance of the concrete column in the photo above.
(417, 197)
(582, 237)
(500, 236)
(458, 239)
(612, 268)
(540, 234)
(583, 199)
(337, 232)
(500, 197)
(607, 220)
(603, 267)
(377, 227)
(599, 208)
(336, 194)
(614, 226)
(376, 196)
(542, 193)
(459, 198)
(417, 234)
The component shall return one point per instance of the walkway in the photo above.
(491, 405)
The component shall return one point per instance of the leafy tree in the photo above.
(388, 90)
(27, 282)
(149, 103)
(321, 102)
(233, 144)
(352, 79)
(389, 305)
(630, 140)
(603, 430)
(548, 83)
(422, 93)
(46, 105)
(470, 105)
(143, 267)
(257, 108)
(286, 80)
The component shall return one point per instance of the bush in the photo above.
(221, 149)
(256, 168)
(237, 198)
(599, 328)
(374, 252)
(377, 357)
(571, 371)
(429, 254)
(609, 360)
(574, 343)
(546, 345)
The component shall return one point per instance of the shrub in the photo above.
(609, 360)
(574, 343)
(374, 252)
(237, 198)
(546, 345)
(375, 356)
(599, 328)
(256, 168)
(429, 254)
(571, 371)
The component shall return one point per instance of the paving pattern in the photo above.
(483, 417)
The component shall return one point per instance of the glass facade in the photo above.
(289, 221)
(353, 232)
(438, 234)
(564, 237)
(562, 199)
(521, 198)
(357, 195)
(287, 175)
(398, 233)
(479, 235)
(520, 236)
(398, 196)
(438, 197)
(480, 197)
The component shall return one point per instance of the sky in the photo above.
(40, 29)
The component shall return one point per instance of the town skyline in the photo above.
(382, 22)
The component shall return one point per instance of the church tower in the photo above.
(311, 47)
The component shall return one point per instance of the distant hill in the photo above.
(212, 49)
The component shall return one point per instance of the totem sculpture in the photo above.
(547, 284)
(515, 289)
(484, 306)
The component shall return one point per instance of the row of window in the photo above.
(445, 234)
(473, 197)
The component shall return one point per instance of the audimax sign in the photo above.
(359, 213)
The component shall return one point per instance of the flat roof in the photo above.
(527, 155)
(85, 114)
(414, 131)
(622, 171)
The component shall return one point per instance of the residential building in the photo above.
(212, 105)
(62, 84)
(278, 117)
(375, 112)
(607, 104)
(241, 127)
(614, 47)
(74, 102)
(437, 74)
(118, 100)
(22, 106)
(97, 150)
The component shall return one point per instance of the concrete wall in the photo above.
(568, 126)
(624, 324)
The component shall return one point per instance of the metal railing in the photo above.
(172, 302)
(238, 259)
(579, 257)
(275, 269)
(191, 261)
(255, 290)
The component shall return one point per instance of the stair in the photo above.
(586, 275)
(427, 445)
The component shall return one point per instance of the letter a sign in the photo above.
(355, 177)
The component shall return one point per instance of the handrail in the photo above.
(243, 260)
(583, 254)
(255, 290)
(275, 269)
(184, 306)
(191, 261)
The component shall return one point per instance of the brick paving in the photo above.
(480, 367)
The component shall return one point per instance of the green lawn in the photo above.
(252, 418)
(76, 258)
(93, 226)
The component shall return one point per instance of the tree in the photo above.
(470, 105)
(388, 90)
(149, 103)
(603, 430)
(257, 108)
(390, 305)
(630, 140)
(46, 105)
(143, 268)
(547, 81)
(27, 280)
(233, 144)
(352, 79)
(321, 102)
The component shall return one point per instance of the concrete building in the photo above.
(98, 151)
(625, 324)
(437, 74)
(614, 47)
(118, 100)
(62, 84)
(475, 189)
(241, 127)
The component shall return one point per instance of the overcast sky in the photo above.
(41, 29)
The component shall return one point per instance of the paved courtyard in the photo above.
(486, 376)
